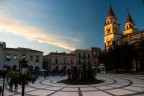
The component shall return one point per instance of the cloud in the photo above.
(33, 33)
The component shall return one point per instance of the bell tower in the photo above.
(111, 30)
(129, 25)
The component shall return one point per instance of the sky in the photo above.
(62, 25)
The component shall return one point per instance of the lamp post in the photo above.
(4, 73)
(24, 70)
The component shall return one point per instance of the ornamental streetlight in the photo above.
(23, 76)
(4, 73)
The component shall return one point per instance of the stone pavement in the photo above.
(114, 85)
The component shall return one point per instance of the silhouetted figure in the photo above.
(53, 72)
(44, 75)
(10, 86)
(75, 73)
(0, 90)
(16, 87)
(61, 72)
(69, 74)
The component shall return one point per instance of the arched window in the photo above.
(127, 27)
(23, 57)
(14, 67)
(109, 43)
(56, 61)
(107, 22)
(108, 31)
(134, 26)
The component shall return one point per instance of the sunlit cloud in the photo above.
(33, 33)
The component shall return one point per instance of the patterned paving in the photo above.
(114, 85)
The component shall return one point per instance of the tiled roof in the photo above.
(129, 19)
(110, 12)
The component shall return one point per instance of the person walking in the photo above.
(0, 90)
(44, 75)
(16, 87)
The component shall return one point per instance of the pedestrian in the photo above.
(45, 75)
(10, 87)
(53, 72)
(0, 90)
(16, 87)
(69, 74)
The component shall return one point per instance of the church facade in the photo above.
(113, 35)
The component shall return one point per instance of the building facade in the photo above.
(58, 61)
(95, 51)
(112, 34)
(2, 54)
(111, 30)
(83, 56)
(87, 56)
(12, 56)
(131, 35)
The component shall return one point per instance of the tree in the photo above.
(118, 57)
(90, 73)
(75, 73)
(141, 48)
(15, 78)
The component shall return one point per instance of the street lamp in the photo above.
(4, 73)
(24, 70)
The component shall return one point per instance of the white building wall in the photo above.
(2, 54)
(12, 61)
(33, 62)
(60, 60)
(19, 54)
(83, 59)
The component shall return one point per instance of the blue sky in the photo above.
(61, 25)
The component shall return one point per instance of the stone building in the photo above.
(87, 56)
(58, 61)
(95, 51)
(12, 56)
(113, 35)
(2, 54)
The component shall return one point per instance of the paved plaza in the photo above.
(114, 85)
